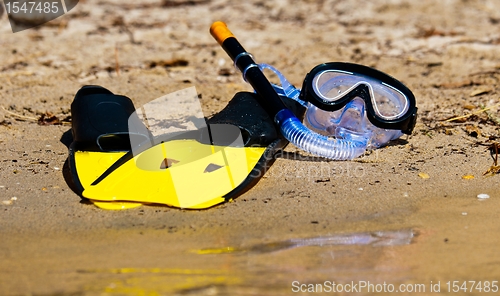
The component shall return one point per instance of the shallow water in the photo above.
(447, 242)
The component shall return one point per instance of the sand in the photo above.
(424, 185)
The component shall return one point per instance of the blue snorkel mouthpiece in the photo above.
(302, 137)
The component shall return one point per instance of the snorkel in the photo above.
(290, 126)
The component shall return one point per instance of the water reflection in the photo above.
(377, 238)
(263, 269)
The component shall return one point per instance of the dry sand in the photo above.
(447, 52)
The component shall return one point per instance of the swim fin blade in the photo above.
(118, 163)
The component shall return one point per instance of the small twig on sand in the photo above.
(19, 116)
(495, 168)
(473, 113)
(39, 120)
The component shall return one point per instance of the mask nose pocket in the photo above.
(353, 116)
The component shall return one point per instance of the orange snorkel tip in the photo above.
(220, 31)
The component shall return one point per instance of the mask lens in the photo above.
(332, 85)
(388, 102)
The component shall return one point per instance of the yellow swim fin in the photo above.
(198, 168)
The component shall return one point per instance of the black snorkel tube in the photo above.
(269, 99)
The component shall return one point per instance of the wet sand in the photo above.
(53, 243)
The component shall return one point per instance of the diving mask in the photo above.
(353, 102)
(389, 103)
